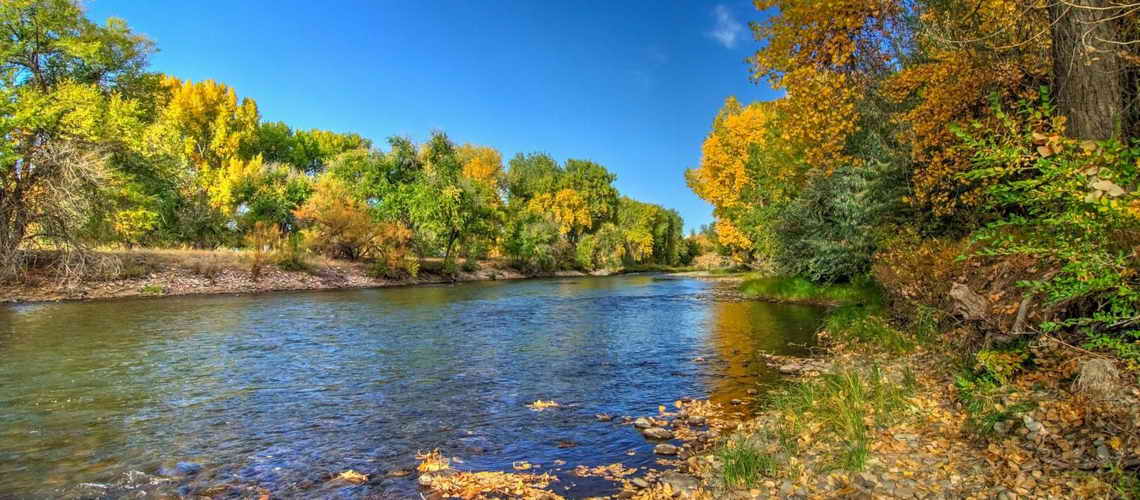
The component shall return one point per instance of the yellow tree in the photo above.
(825, 56)
(482, 164)
(565, 207)
(205, 125)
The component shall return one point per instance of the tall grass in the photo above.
(744, 462)
(846, 403)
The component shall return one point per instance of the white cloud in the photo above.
(727, 30)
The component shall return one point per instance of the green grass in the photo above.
(152, 290)
(744, 462)
(866, 325)
(846, 403)
(795, 289)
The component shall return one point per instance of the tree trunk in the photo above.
(1087, 79)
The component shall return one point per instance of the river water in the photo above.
(281, 391)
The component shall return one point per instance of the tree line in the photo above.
(958, 152)
(97, 151)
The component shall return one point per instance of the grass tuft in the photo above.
(744, 462)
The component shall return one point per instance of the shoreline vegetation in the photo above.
(148, 273)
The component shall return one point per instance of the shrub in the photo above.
(1070, 209)
(338, 224)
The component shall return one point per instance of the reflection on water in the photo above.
(281, 390)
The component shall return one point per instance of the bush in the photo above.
(1069, 209)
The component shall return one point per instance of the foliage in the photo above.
(336, 224)
(1071, 208)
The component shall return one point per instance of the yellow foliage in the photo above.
(543, 405)
(352, 477)
(432, 461)
(482, 164)
(206, 123)
(566, 208)
(722, 174)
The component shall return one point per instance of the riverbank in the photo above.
(884, 413)
(176, 272)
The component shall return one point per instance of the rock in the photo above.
(626, 493)
(657, 433)
(665, 449)
(866, 480)
(1103, 453)
(682, 483)
(752, 392)
(1032, 425)
(642, 423)
(696, 420)
(181, 469)
(564, 443)
(639, 482)
(790, 369)
(602, 417)
(736, 402)
(787, 488)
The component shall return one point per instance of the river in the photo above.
(283, 390)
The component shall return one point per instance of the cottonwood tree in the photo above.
(59, 75)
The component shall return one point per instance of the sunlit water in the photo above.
(284, 390)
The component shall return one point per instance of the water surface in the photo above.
(283, 390)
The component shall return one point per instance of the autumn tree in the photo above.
(59, 77)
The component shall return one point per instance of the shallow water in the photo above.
(283, 390)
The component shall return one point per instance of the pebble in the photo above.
(665, 449)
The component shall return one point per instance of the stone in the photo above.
(787, 488)
(1032, 425)
(736, 402)
(866, 480)
(682, 483)
(642, 423)
(639, 482)
(696, 420)
(602, 417)
(626, 494)
(752, 392)
(665, 449)
(657, 433)
(790, 369)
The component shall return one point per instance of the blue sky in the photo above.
(631, 85)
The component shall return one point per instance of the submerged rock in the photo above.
(602, 417)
